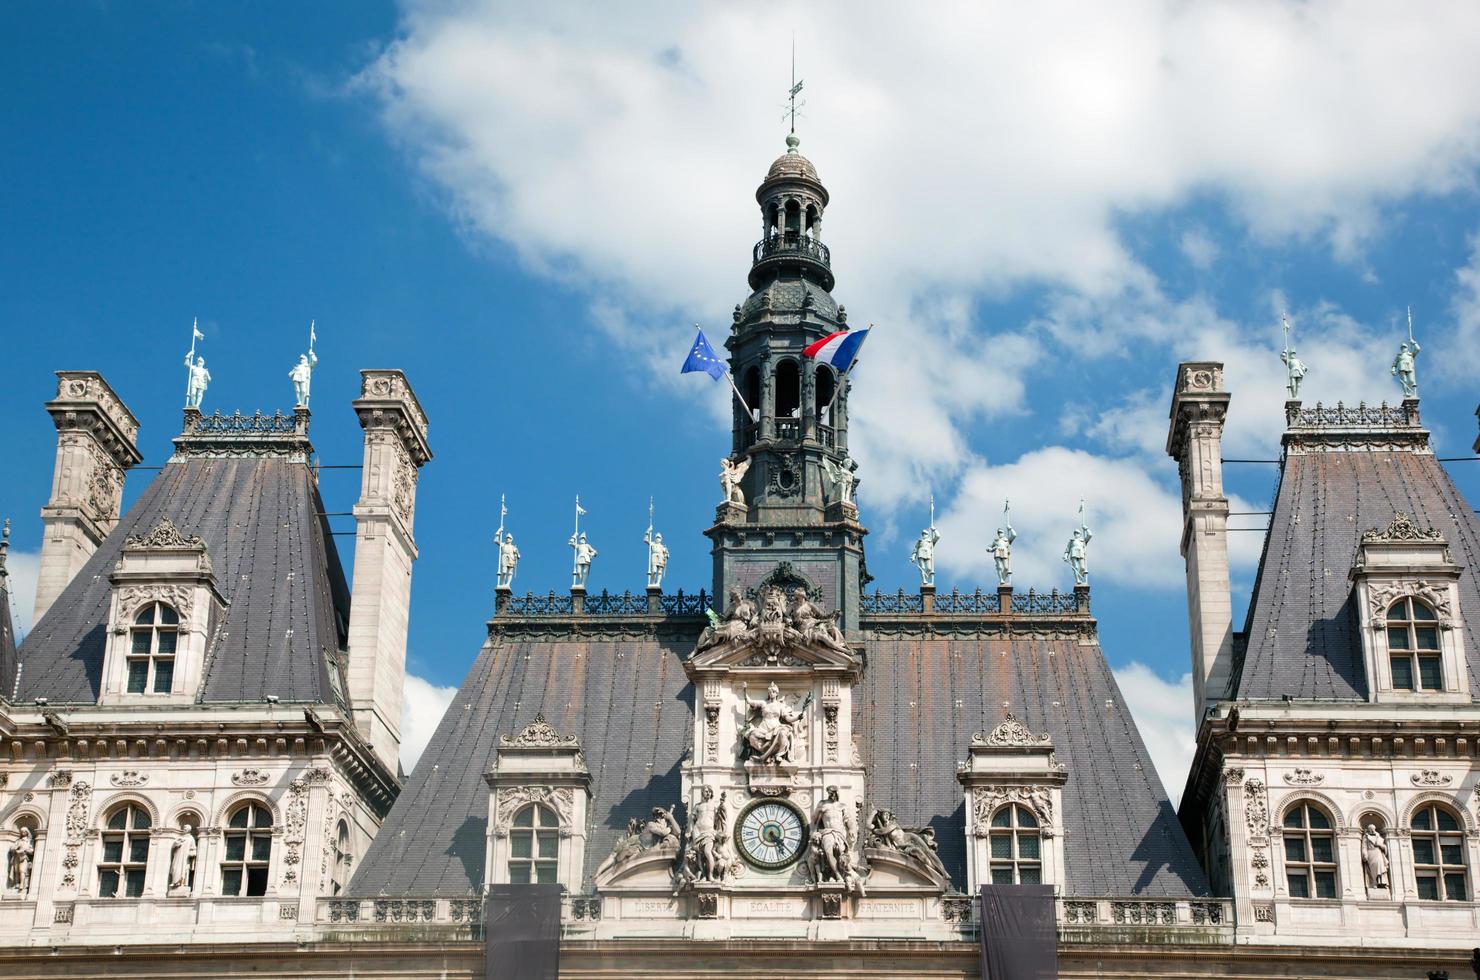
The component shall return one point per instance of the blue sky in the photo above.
(525, 210)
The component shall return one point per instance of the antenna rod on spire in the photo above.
(796, 86)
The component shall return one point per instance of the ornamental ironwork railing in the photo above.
(783, 246)
(553, 604)
(1361, 415)
(883, 603)
(968, 603)
(1044, 602)
(606, 604)
(682, 604)
(238, 424)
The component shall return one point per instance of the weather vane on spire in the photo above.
(796, 87)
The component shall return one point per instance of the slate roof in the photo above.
(1302, 629)
(275, 563)
(631, 704)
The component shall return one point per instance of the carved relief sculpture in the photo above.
(834, 836)
(768, 739)
(917, 845)
(814, 625)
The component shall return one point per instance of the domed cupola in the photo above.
(792, 200)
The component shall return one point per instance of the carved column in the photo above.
(1199, 406)
(96, 444)
(395, 450)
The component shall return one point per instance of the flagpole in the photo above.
(731, 379)
(843, 379)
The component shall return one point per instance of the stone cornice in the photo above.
(86, 403)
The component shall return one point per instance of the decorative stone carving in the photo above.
(250, 777)
(79, 799)
(1304, 777)
(163, 536)
(1259, 861)
(1143, 913)
(957, 909)
(988, 799)
(706, 856)
(297, 821)
(1233, 776)
(1380, 599)
(730, 475)
(18, 866)
(1263, 912)
(539, 733)
(182, 862)
(916, 844)
(834, 836)
(1430, 777)
(1374, 862)
(1010, 733)
(740, 618)
(768, 739)
(129, 777)
(61, 778)
(1256, 809)
(177, 597)
(1402, 528)
(63, 913)
(557, 798)
(923, 554)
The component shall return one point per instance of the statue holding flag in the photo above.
(657, 552)
(1075, 551)
(1295, 368)
(584, 552)
(508, 555)
(302, 373)
(197, 378)
(1404, 368)
(923, 555)
(1001, 547)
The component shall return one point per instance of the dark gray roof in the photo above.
(1302, 631)
(7, 636)
(275, 563)
(631, 704)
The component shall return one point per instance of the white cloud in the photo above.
(1198, 248)
(422, 707)
(1163, 714)
(1462, 346)
(22, 567)
(970, 151)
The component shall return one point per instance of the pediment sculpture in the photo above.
(773, 623)
(659, 832)
(916, 845)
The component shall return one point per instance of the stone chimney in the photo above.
(96, 443)
(380, 598)
(1195, 441)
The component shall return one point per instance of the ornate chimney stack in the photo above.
(96, 444)
(380, 598)
(1199, 406)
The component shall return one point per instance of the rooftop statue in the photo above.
(508, 558)
(768, 739)
(1295, 369)
(839, 479)
(584, 553)
(1404, 368)
(199, 379)
(302, 378)
(834, 836)
(1075, 550)
(657, 552)
(923, 555)
(1001, 548)
(730, 475)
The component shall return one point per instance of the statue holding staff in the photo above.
(1001, 547)
(1075, 552)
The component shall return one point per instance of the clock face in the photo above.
(771, 834)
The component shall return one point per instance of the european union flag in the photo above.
(703, 358)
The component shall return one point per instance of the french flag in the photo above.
(838, 349)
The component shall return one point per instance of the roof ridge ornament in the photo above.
(164, 535)
(1010, 732)
(1402, 528)
(540, 733)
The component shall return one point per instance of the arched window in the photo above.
(1413, 645)
(812, 222)
(1310, 852)
(534, 845)
(827, 386)
(788, 390)
(248, 850)
(151, 650)
(125, 853)
(1016, 847)
(793, 219)
(341, 858)
(1439, 855)
(753, 391)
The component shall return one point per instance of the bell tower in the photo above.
(798, 524)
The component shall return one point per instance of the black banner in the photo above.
(1019, 935)
(523, 932)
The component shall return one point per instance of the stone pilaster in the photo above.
(1199, 406)
(385, 548)
(96, 444)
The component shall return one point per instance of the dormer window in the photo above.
(1413, 646)
(151, 652)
